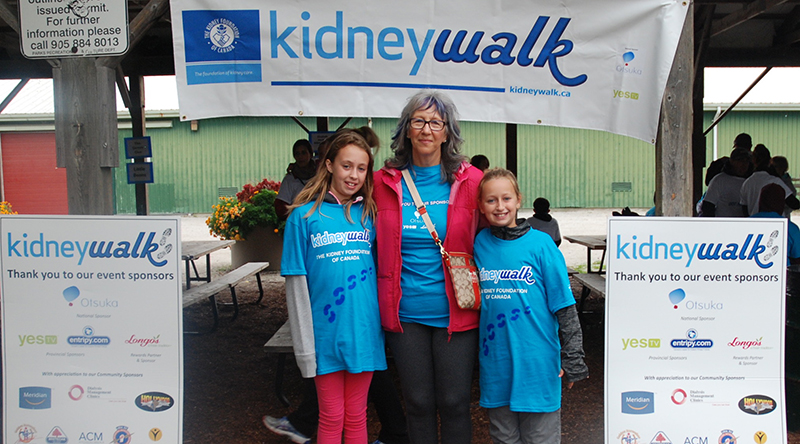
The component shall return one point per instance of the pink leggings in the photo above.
(342, 406)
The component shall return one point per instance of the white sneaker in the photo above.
(282, 426)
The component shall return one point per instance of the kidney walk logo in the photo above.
(40, 246)
(651, 248)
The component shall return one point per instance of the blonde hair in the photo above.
(499, 173)
(319, 186)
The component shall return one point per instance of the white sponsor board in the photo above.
(695, 330)
(64, 28)
(577, 63)
(92, 329)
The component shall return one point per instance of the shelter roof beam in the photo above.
(9, 15)
(149, 16)
(750, 11)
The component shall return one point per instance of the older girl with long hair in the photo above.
(331, 287)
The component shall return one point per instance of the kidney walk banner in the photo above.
(577, 63)
(695, 330)
(92, 329)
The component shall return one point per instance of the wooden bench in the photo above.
(227, 281)
(281, 344)
(591, 283)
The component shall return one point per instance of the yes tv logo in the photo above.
(637, 403)
(35, 398)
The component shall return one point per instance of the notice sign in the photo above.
(695, 330)
(91, 329)
(62, 28)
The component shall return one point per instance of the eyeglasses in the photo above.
(436, 125)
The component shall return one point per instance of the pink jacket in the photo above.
(462, 224)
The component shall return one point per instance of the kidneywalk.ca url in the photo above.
(538, 92)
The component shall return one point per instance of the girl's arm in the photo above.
(569, 328)
(301, 324)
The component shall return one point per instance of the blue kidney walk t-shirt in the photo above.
(336, 257)
(424, 299)
(524, 282)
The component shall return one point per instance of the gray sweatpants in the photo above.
(507, 427)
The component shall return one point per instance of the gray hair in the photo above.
(451, 148)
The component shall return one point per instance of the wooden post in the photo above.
(86, 133)
(511, 147)
(139, 130)
(674, 141)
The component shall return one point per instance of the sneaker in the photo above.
(378, 441)
(283, 427)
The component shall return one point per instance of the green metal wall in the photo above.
(572, 168)
(778, 130)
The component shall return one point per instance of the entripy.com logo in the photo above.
(88, 338)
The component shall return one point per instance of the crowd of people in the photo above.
(751, 183)
(364, 270)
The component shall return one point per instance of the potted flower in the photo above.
(250, 219)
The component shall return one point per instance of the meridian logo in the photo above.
(35, 398)
(637, 403)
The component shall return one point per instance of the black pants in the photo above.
(382, 393)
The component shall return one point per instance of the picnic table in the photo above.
(591, 243)
(193, 250)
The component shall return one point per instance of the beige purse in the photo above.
(461, 266)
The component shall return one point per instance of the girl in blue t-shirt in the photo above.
(331, 287)
(526, 303)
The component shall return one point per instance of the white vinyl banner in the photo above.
(92, 329)
(576, 63)
(695, 331)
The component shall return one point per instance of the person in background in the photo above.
(334, 316)
(297, 175)
(763, 175)
(723, 193)
(522, 360)
(771, 204)
(781, 166)
(742, 140)
(434, 342)
(480, 162)
(543, 221)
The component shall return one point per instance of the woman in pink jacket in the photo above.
(434, 342)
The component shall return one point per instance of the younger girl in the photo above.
(331, 288)
(526, 303)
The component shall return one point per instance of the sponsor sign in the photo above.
(91, 328)
(574, 63)
(694, 329)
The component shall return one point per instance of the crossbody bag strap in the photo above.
(412, 188)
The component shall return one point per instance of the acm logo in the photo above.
(696, 440)
(90, 437)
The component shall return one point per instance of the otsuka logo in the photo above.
(34, 398)
(750, 249)
(757, 404)
(626, 67)
(637, 403)
(21, 246)
(37, 340)
(640, 343)
(678, 295)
